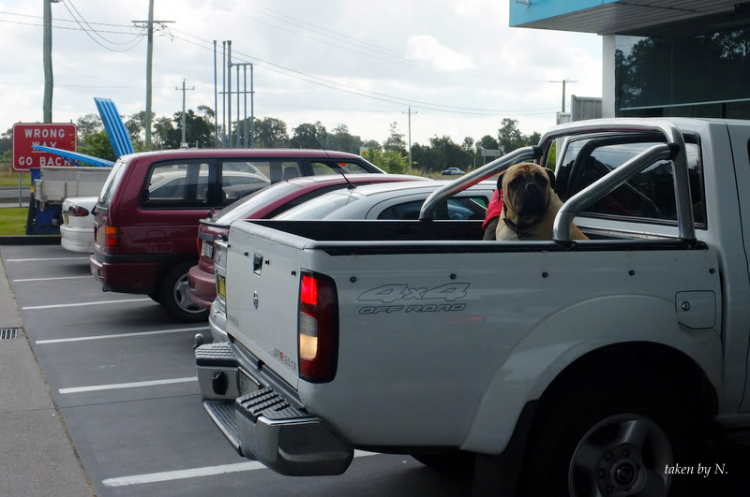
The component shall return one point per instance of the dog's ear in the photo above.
(551, 176)
(500, 180)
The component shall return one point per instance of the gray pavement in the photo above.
(36, 453)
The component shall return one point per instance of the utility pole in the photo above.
(47, 56)
(229, 89)
(184, 90)
(410, 113)
(149, 25)
(564, 81)
(216, 104)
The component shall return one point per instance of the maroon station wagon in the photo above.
(149, 209)
(265, 204)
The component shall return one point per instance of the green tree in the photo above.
(340, 139)
(98, 145)
(308, 135)
(198, 130)
(270, 133)
(88, 125)
(6, 141)
(164, 133)
(509, 137)
(395, 140)
(394, 162)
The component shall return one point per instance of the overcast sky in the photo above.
(455, 62)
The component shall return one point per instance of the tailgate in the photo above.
(262, 295)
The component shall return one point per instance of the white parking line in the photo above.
(196, 472)
(51, 279)
(54, 306)
(115, 386)
(119, 335)
(49, 259)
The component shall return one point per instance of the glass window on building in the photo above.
(683, 74)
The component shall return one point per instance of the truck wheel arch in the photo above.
(532, 373)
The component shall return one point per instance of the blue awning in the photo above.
(613, 16)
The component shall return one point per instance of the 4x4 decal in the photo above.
(388, 294)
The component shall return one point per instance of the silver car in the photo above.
(394, 201)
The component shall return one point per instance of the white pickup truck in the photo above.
(562, 368)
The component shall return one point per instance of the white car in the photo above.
(77, 230)
(394, 201)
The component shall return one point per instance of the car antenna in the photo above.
(340, 169)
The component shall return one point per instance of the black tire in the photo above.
(614, 438)
(175, 298)
(155, 296)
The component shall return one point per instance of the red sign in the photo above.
(25, 136)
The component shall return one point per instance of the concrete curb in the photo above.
(37, 456)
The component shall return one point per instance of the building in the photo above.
(687, 58)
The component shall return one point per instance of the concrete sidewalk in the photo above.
(36, 453)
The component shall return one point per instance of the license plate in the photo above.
(248, 384)
(221, 287)
(207, 250)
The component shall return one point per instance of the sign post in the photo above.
(55, 135)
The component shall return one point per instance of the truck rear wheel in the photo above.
(174, 295)
(612, 439)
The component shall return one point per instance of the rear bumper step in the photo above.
(263, 424)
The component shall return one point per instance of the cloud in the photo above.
(425, 48)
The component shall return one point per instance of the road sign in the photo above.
(55, 135)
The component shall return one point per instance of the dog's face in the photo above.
(527, 189)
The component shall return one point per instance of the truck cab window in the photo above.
(648, 196)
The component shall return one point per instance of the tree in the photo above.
(198, 130)
(270, 133)
(340, 139)
(136, 126)
(97, 144)
(309, 136)
(88, 125)
(395, 140)
(509, 137)
(6, 141)
(163, 133)
(394, 162)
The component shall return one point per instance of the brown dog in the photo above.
(530, 204)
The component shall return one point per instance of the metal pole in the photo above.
(182, 144)
(216, 104)
(244, 77)
(238, 106)
(409, 138)
(20, 190)
(229, 90)
(149, 62)
(563, 97)
(252, 114)
(224, 95)
(47, 57)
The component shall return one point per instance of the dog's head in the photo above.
(527, 189)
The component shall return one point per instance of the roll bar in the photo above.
(674, 149)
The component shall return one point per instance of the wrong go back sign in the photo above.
(55, 135)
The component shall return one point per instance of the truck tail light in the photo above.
(318, 328)
(110, 236)
(78, 211)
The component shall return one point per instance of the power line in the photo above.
(366, 93)
(384, 54)
(88, 32)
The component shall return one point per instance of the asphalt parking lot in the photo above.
(122, 374)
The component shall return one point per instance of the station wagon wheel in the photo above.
(175, 295)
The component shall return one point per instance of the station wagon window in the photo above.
(240, 178)
(321, 168)
(177, 184)
(461, 208)
(649, 195)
